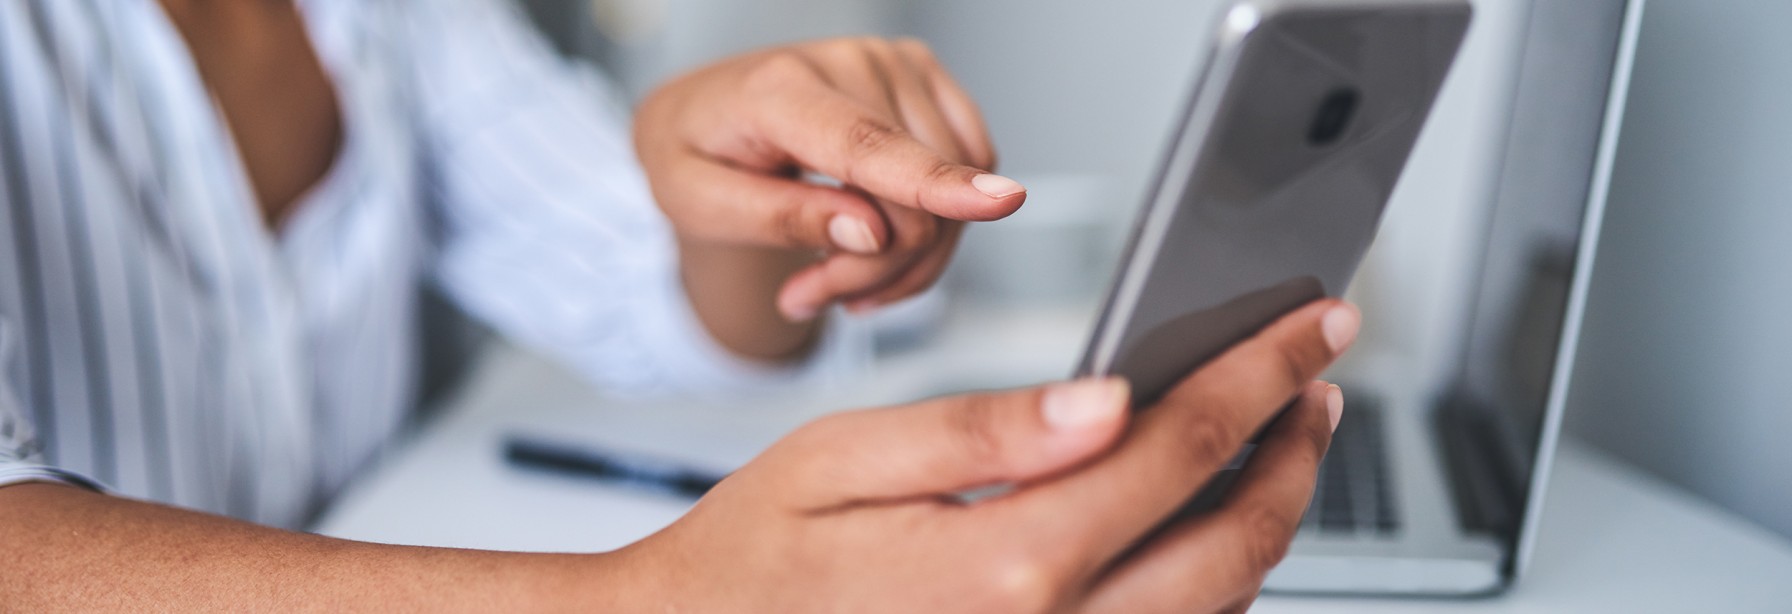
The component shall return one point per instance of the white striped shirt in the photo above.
(159, 340)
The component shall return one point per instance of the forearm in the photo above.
(69, 549)
(734, 290)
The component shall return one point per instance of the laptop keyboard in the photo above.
(1354, 494)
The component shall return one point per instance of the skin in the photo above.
(271, 89)
(1088, 527)
(853, 512)
(725, 149)
(763, 251)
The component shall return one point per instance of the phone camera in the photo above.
(1333, 117)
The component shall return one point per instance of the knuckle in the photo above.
(975, 428)
(942, 170)
(840, 55)
(778, 70)
(819, 430)
(791, 223)
(868, 136)
(844, 46)
(852, 54)
(915, 48)
(1208, 441)
(878, 46)
(1267, 533)
(1023, 585)
(799, 451)
(939, 172)
(1293, 363)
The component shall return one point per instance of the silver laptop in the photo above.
(1435, 487)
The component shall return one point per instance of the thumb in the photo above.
(949, 445)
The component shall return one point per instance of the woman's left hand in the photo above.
(730, 150)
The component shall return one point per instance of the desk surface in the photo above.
(1613, 539)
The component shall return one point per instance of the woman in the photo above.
(219, 214)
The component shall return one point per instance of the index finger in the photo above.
(825, 130)
(1177, 446)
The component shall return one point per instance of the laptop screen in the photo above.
(1496, 410)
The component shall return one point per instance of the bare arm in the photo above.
(69, 549)
(849, 513)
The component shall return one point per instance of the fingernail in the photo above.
(852, 234)
(1075, 405)
(996, 186)
(1340, 326)
(1334, 404)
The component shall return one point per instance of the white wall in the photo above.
(1686, 365)
(1072, 85)
(650, 40)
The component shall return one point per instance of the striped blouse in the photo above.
(159, 341)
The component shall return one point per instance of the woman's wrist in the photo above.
(632, 579)
(734, 290)
(543, 582)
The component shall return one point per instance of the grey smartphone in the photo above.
(1274, 185)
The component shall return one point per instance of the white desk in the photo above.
(1614, 540)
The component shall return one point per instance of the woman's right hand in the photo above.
(856, 511)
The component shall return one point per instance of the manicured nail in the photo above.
(996, 186)
(1334, 404)
(852, 234)
(1340, 326)
(1075, 405)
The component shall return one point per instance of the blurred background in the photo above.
(1687, 345)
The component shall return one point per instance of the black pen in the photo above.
(583, 460)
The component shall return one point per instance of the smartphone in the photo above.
(1275, 181)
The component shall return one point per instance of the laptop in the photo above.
(1434, 486)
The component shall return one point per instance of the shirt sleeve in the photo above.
(546, 229)
(21, 454)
